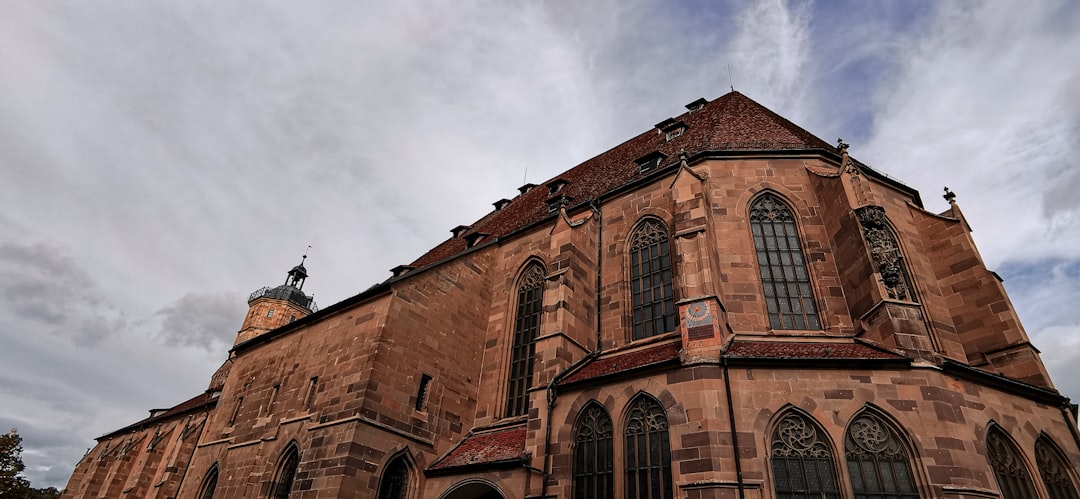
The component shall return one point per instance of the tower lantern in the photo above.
(270, 308)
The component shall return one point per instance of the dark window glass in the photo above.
(788, 297)
(878, 463)
(1011, 473)
(802, 465)
(209, 484)
(284, 483)
(648, 452)
(421, 391)
(1053, 470)
(395, 480)
(652, 297)
(526, 325)
(593, 463)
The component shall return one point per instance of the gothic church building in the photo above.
(724, 306)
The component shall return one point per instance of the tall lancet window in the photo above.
(283, 483)
(648, 452)
(530, 298)
(802, 465)
(1009, 469)
(652, 300)
(788, 296)
(209, 483)
(1054, 470)
(593, 458)
(878, 462)
(395, 480)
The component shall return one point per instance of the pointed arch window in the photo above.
(786, 282)
(283, 484)
(802, 464)
(530, 297)
(878, 462)
(648, 451)
(1009, 469)
(593, 461)
(652, 296)
(395, 480)
(1053, 470)
(209, 483)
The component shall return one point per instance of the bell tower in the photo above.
(270, 308)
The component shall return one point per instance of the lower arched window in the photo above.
(878, 464)
(593, 462)
(395, 480)
(209, 483)
(1009, 469)
(283, 483)
(1053, 470)
(648, 452)
(802, 464)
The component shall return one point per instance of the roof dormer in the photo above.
(500, 204)
(459, 230)
(475, 238)
(696, 106)
(526, 188)
(650, 162)
(556, 186)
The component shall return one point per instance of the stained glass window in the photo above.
(652, 297)
(1053, 470)
(802, 465)
(648, 452)
(530, 299)
(878, 463)
(593, 462)
(786, 282)
(1012, 475)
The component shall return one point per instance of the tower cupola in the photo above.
(270, 308)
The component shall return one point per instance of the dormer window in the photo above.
(526, 188)
(556, 185)
(475, 238)
(650, 162)
(500, 204)
(671, 128)
(459, 230)
(401, 270)
(696, 106)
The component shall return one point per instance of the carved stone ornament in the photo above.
(533, 278)
(796, 437)
(884, 250)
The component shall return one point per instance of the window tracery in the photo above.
(648, 452)
(593, 458)
(526, 327)
(652, 295)
(878, 464)
(1011, 473)
(395, 480)
(784, 277)
(1053, 471)
(802, 465)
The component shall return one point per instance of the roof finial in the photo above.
(949, 196)
(730, 84)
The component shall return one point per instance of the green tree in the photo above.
(11, 465)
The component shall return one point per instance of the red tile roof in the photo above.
(731, 122)
(625, 361)
(485, 448)
(196, 402)
(805, 350)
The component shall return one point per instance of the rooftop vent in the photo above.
(500, 204)
(459, 230)
(650, 162)
(556, 185)
(475, 238)
(526, 188)
(697, 105)
(401, 270)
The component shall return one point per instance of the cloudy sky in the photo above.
(162, 161)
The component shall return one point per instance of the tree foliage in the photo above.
(12, 484)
